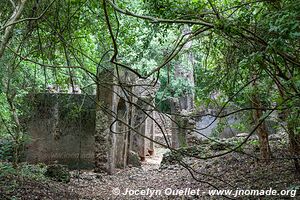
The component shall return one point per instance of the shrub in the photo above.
(6, 150)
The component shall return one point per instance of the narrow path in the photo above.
(153, 162)
(235, 169)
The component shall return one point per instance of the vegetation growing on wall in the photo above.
(245, 58)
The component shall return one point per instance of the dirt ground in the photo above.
(232, 171)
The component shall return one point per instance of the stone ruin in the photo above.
(75, 130)
(125, 124)
(61, 132)
(105, 130)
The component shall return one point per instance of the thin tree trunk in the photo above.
(294, 147)
(9, 29)
(265, 152)
(262, 133)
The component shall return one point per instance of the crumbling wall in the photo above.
(141, 139)
(61, 129)
(118, 120)
(182, 107)
(104, 140)
(121, 134)
(183, 123)
(162, 129)
(112, 122)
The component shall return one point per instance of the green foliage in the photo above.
(222, 123)
(179, 8)
(237, 142)
(246, 40)
(6, 150)
(4, 116)
(218, 146)
(58, 173)
(254, 143)
(241, 126)
(34, 172)
(7, 169)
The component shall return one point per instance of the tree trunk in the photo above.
(294, 138)
(294, 147)
(265, 152)
(10, 25)
(262, 133)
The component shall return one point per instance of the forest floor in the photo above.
(231, 171)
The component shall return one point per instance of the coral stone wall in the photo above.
(61, 129)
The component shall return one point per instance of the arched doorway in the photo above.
(121, 136)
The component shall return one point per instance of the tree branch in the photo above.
(27, 19)
(159, 20)
(8, 30)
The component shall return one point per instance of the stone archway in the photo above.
(121, 135)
